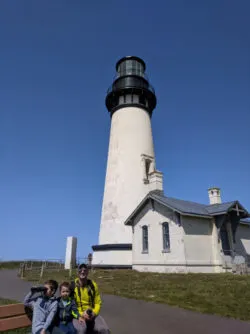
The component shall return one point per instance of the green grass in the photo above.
(7, 301)
(20, 330)
(10, 264)
(223, 294)
(16, 264)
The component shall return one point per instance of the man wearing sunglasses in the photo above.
(88, 300)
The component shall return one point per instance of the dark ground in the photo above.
(128, 316)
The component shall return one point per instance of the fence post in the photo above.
(70, 271)
(41, 273)
(22, 270)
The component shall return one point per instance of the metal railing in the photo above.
(235, 261)
(150, 88)
(131, 73)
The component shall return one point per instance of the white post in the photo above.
(70, 257)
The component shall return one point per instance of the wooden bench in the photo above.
(13, 316)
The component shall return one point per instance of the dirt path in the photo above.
(11, 286)
(127, 316)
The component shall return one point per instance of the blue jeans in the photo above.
(60, 329)
(67, 328)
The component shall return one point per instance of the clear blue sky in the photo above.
(57, 60)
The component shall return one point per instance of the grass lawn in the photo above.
(10, 264)
(223, 294)
(21, 330)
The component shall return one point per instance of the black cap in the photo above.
(82, 266)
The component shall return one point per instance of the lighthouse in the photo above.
(131, 170)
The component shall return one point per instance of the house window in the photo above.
(165, 237)
(144, 239)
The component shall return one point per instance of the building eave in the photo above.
(150, 197)
(244, 223)
(129, 220)
(196, 215)
(218, 213)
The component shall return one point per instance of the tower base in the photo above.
(112, 256)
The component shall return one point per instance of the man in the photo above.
(88, 301)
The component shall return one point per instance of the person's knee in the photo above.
(79, 328)
(103, 331)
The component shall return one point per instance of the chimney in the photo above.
(156, 181)
(214, 195)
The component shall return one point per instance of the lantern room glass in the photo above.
(130, 67)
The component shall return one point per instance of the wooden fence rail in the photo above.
(37, 269)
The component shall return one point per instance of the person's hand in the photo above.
(89, 317)
(43, 331)
(81, 320)
(86, 316)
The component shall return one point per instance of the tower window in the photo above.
(148, 167)
(142, 100)
(144, 239)
(135, 98)
(128, 98)
(121, 99)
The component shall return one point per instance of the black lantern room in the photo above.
(131, 87)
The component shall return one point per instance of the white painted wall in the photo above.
(242, 238)
(130, 137)
(216, 249)
(70, 256)
(201, 247)
(156, 260)
(194, 245)
(198, 240)
(113, 258)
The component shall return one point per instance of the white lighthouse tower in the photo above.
(131, 171)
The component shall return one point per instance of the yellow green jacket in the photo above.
(84, 301)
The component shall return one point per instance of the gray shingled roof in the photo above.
(180, 205)
(193, 207)
(219, 208)
(187, 207)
